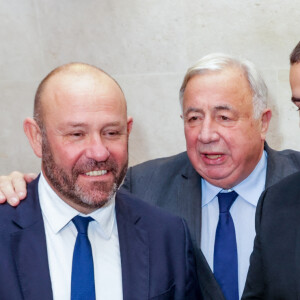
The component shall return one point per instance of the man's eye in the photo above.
(112, 133)
(193, 118)
(76, 134)
(224, 118)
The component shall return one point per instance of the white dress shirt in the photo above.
(61, 235)
(243, 215)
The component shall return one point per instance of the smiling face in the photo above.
(84, 138)
(295, 83)
(224, 141)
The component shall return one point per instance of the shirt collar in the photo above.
(58, 213)
(249, 189)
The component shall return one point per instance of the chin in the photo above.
(96, 198)
(92, 203)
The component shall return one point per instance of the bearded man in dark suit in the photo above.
(76, 236)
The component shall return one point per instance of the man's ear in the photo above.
(34, 135)
(129, 125)
(265, 121)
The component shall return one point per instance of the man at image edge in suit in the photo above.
(274, 266)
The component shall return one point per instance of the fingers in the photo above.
(7, 191)
(2, 197)
(13, 188)
(29, 177)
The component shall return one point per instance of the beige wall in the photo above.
(147, 46)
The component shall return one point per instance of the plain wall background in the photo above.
(147, 45)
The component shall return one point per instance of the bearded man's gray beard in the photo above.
(94, 196)
(89, 200)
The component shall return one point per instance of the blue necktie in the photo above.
(82, 285)
(225, 253)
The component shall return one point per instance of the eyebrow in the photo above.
(223, 107)
(192, 109)
(294, 99)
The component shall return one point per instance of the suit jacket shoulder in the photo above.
(160, 169)
(281, 164)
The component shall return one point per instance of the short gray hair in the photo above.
(217, 62)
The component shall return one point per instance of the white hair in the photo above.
(218, 62)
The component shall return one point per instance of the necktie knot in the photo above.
(226, 200)
(82, 223)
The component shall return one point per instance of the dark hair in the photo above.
(295, 55)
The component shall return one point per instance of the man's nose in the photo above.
(97, 149)
(208, 131)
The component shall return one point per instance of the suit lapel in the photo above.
(134, 251)
(28, 245)
(190, 200)
(190, 194)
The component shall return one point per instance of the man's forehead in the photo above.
(67, 86)
(65, 79)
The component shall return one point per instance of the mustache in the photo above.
(93, 165)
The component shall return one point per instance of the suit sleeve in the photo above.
(254, 287)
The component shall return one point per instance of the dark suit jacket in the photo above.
(274, 271)
(173, 184)
(157, 258)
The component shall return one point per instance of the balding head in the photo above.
(72, 71)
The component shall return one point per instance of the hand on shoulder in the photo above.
(13, 187)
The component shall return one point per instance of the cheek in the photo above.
(191, 137)
(66, 156)
(255, 138)
(119, 151)
(241, 136)
(244, 145)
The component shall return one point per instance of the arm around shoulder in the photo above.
(13, 187)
